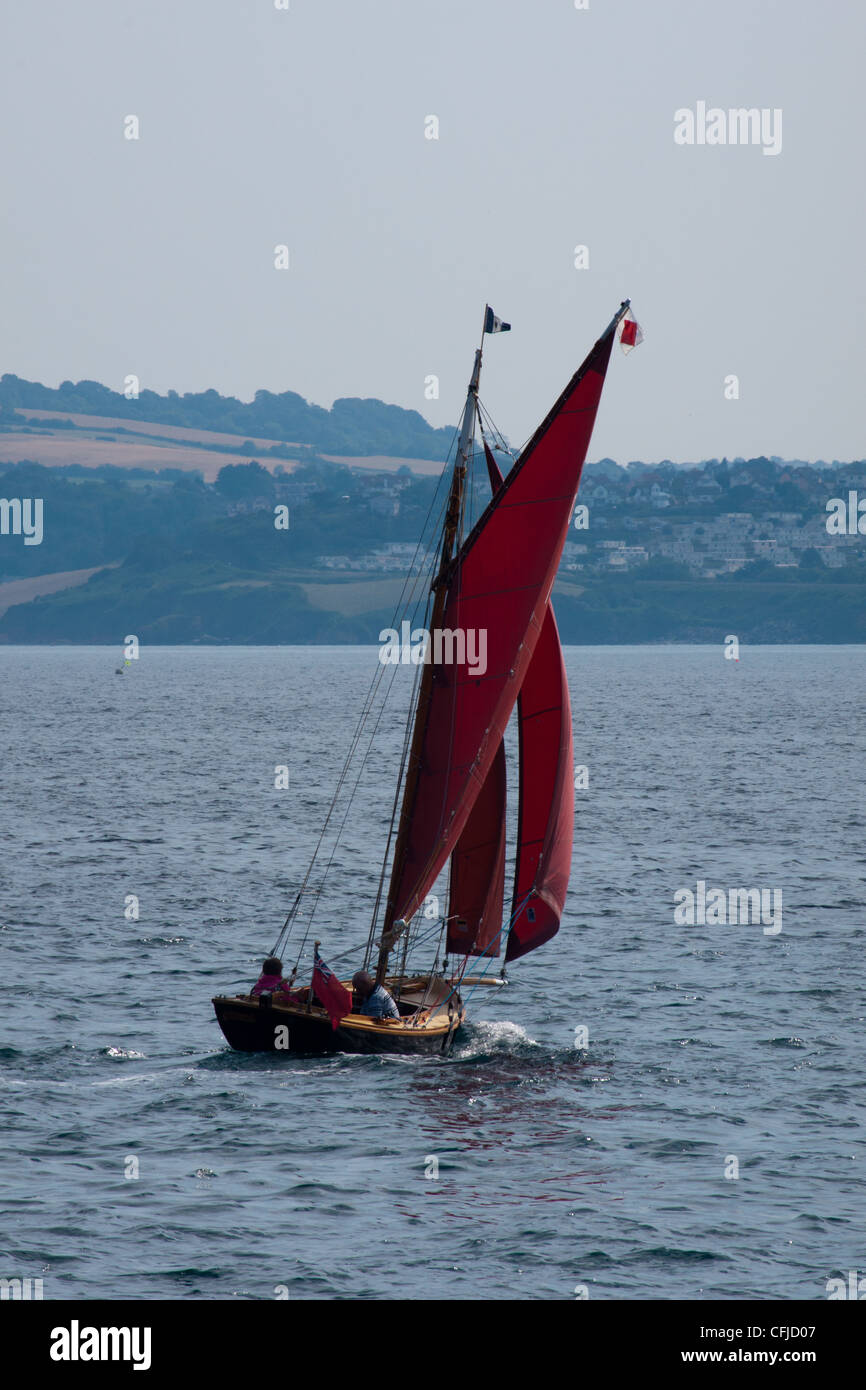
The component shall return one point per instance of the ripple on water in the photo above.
(521, 1165)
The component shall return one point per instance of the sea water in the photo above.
(652, 1108)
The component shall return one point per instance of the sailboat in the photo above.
(495, 578)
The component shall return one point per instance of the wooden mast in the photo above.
(439, 588)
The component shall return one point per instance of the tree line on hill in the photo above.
(352, 426)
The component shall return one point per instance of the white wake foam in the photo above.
(486, 1037)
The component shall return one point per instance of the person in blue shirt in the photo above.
(376, 1002)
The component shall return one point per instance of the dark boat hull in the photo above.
(252, 1026)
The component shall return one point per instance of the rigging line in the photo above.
(289, 922)
(351, 798)
(383, 706)
(477, 475)
(368, 712)
(492, 958)
(495, 430)
(437, 929)
(472, 988)
(363, 720)
(404, 755)
(418, 940)
(344, 773)
(365, 713)
(502, 445)
(403, 966)
(344, 955)
(506, 448)
(470, 481)
(431, 974)
(401, 607)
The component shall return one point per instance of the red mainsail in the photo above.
(498, 588)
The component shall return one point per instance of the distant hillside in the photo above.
(173, 559)
(352, 427)
(167, 596)
(57, 439)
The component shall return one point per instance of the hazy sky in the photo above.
(306, 127)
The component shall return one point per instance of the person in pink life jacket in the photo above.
(271, 980)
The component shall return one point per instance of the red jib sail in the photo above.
(545, 832)
(498, 589)
(545, 827)
(478, 871)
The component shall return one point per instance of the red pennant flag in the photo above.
(631, 333)
(328, 990)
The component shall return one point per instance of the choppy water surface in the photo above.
(557, 1166)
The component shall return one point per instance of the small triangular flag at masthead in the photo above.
(492, 324)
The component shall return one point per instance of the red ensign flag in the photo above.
(328, 990)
